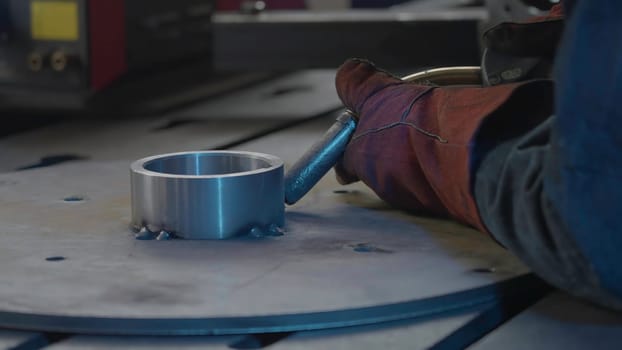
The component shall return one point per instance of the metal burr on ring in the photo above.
(208, 195)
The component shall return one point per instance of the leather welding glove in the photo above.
(412, 145)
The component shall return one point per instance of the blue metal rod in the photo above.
(318, 160)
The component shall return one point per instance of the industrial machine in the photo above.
(61, 52)
(115, 55)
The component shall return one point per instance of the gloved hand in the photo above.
(413, 146)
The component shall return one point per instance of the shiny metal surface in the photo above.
(316, 266)
(325, 153)
(460, 75)
(457, 303)
(208, 195)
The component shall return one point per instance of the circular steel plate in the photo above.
(66, 250)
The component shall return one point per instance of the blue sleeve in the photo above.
(583, 173)
(552, 195)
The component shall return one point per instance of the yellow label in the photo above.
(54, 20)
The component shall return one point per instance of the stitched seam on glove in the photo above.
(403, 117)
(414, 100)
(392, 125)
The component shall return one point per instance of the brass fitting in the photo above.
(59, 60)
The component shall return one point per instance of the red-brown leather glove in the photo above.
(412, 145)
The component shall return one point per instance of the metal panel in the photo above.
(206, 125)
(166, 32)
(316, 266)
(558, 322)
(139, 343)
(294, 96)
(128, 140)
(397, 337)
(299, 39)
(11, 339)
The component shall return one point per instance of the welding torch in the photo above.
(327, 151)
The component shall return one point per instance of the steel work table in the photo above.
(66, 248)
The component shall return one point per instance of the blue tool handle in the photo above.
(319, 159)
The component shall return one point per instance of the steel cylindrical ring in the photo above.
(208, 195)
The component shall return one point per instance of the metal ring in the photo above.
(208, 195)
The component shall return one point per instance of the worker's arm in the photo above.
(413, 143)
(543, 187)
(552, 196)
